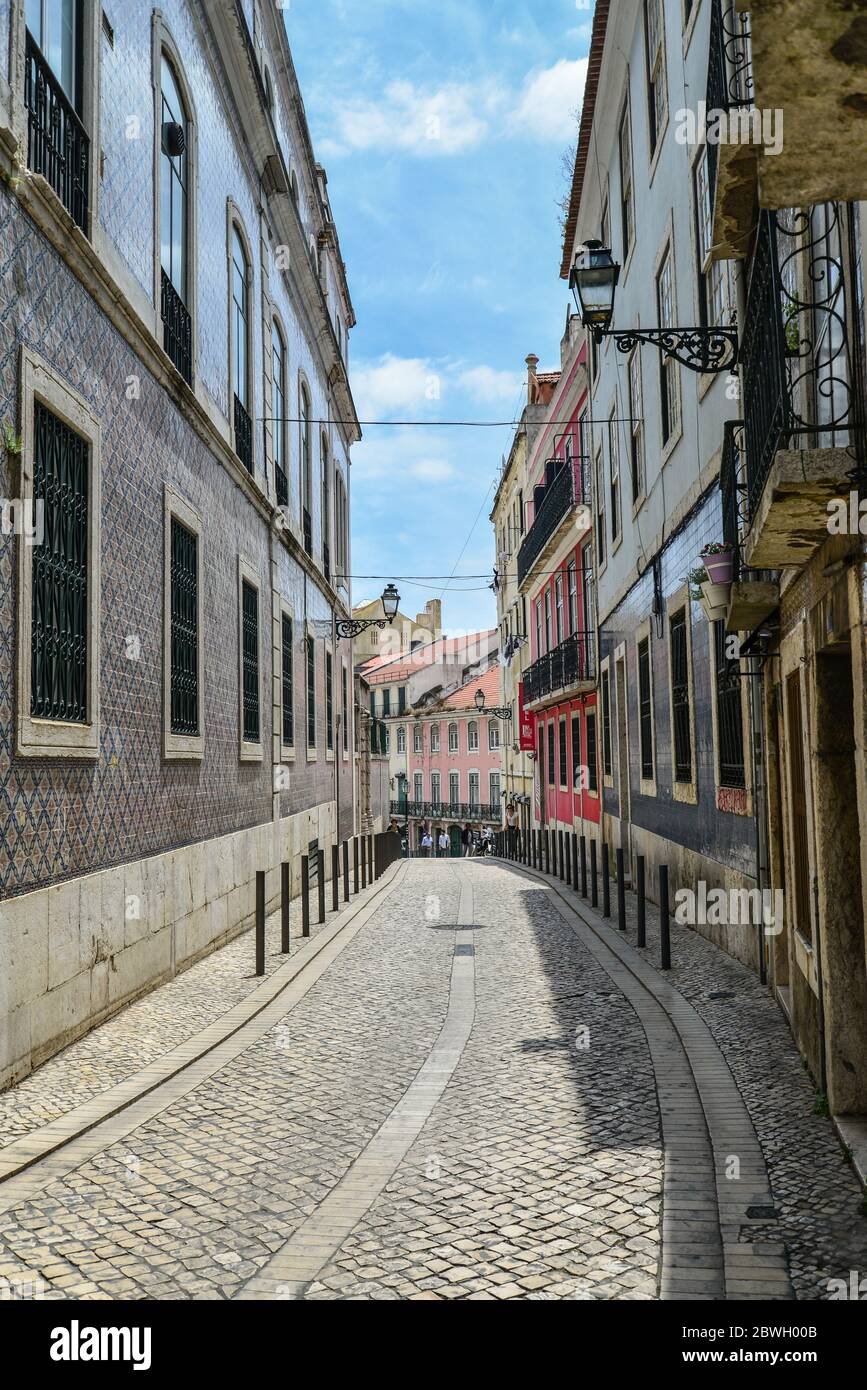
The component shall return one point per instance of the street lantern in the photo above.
(495, 711)
(593, 280)
(593, 283)
(480, 700)
(351, 627)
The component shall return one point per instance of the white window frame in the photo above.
(42, 738)
(287, 750)
(473, 728)
(177, 746)
(249, 752)
(647, 785)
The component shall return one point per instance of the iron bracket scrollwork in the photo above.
(497, 711)
(699, 349)
(353, 627)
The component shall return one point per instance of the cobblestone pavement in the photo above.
(537, 1174)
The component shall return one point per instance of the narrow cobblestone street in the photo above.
(464, 1085)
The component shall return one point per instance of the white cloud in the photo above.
(439, 121)
(487, 384)
(432, 470)
(393, 384)
(550, 100)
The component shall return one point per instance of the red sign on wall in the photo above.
(525, 723)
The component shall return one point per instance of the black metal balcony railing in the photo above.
(729, 73)
(308, 531)
(447, 810)
(571, 663)
(802, 348)
(731, 488)
(58, 146)
(378, 738)
(560, 497)
(243, 436)
(177, 329)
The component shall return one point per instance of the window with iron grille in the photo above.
(184, 630)
(564, 756)
(311, 693)
(329, 701)
(592, 768)
(59, 637)
(250, 648)
(606, 724)
(288, 690)
(680, 697)
(729, 715)
(551, 770)
(645, 709)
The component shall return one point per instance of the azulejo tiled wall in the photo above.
(59, 820)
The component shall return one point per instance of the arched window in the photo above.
(306, 469)
(493, 734)
(293, 184)
(434, 738)
(325, 458)
(401, 739)
(278, 412)
(472, 736)
(417, 738)
(240, 350)
(453, 738)
(174, 222)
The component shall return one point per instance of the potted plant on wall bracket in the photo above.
(712, 597)
(719, 561)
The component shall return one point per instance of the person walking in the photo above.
(445, 844)
(467, 840)
(512, 827)
(427, 844)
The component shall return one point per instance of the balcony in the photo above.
(378, 739)
(801, 358)
(447, 811)
(752, 597)
(560, 497)
(243, 436)
(177, 329)
(732, 165)
(58, 146)
(569, 669)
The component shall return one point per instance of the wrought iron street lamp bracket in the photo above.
(699, 349)
(353, 627)
(497, 711)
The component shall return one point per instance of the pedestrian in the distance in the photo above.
(427, 844)
(467, 840)
(512, 826)
(444, 843)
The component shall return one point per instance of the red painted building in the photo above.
(555, 574)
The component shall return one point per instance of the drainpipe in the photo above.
(760, 800)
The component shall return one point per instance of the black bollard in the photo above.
(355, 863)
(621, 892)
(260, 922)
(370, 866)
(641, 936)
(335, 878)
(594, 886)
(554, 851)
(575, 861)
(560, 868)
(346, 871)
(320, 883)
(568, 845)
(606, 883)
(584, 866)
(285, 900)
(305, 895)
(664, 920)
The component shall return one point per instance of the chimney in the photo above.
(532, 388)
(434, 610)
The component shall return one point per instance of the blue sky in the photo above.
(441, 124)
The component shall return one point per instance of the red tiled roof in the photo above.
(465, 697)
(591, 86)
(385, 669)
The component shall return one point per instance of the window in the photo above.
(587, 585)
(174, 217)
(311, 693)
(592, 767)
(453, 738)
(494, 792)
(386, 702)
(435, 788)
(418, 787)
(551, 753)
(306, 470)
(558, 592)
(475, 790)
(576, 753)
(547, 620)
(60, 637)
(454, 789)
(326, 509)
(417, 738)
(668, 379)
(278, 411)
(710, 272)
(240, 351)
(472, 736)
(493, 734)
(680, 715)
(606, 724)
(627, 207)
(564, 753)
(600, 510)
(645, 710)
(401, 699)
(287, 682)
(614, 449)
(250, 661)
(184, 637)
(656, 95)
(572, 584)
(329, 701)
(539, 628)
(345, 710)
(729, 715)
(434, 738)
(56, 27)
(636, 425)
(401, 739)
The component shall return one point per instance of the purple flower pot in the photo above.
(720, 567)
